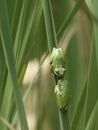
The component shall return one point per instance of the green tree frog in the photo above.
(58, 70)
(57, 62)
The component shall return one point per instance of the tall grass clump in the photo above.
(29, 32)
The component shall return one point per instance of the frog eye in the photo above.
(59, 71)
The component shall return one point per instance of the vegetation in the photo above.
(29, 30)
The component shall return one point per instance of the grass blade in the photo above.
(92, 5)
(29, 35)
(69, 18)
(91, 95)
(3, 73)
(19, 32)
(64, 120)
(91, 124)
(79, 109)
(6, 123)
(52, 42)
(75, 75)
(7, 47)
(49, 23)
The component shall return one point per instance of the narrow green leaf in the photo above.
(8, 87)
(11, 5)
(6, 101)
(93, 7)
(79, 109)
(91, 124)
(96, 122)
(29, 35)
(3, 73)
(69, 17)
(58, 8)
(75, 77)
(6, 123)
(64, 120)
(92, 85)
(49, 23)
(15, 17)
(7, 47)
(19, 32)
